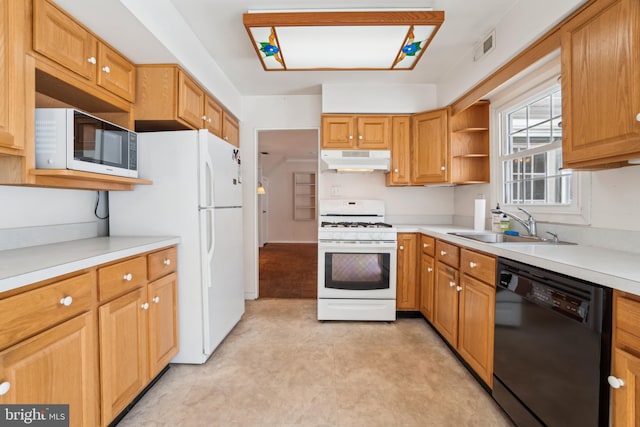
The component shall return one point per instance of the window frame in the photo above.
(536, 82)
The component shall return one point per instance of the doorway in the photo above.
(287, 241)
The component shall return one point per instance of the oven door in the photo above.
(358, 270)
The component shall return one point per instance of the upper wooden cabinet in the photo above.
(430, 154)
(169, 99)
(601, 85)
(230, 129)
(62, 39)
(346, 132)
(470, 145)
(400, 173)
(12, 77)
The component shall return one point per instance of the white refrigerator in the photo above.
(197, 195)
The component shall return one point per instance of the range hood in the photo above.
(356, 160)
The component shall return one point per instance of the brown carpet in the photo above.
(288, 270)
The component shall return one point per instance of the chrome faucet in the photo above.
(529, 225)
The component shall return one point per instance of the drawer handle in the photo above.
(91, 60)
(4, 388)
(156, 299)
(128, 277)
(106, 69)
(458, 288)
(429, 269)
(452, 284)
(145, 306)
(615, 382)
(166, 261)
(66, 301)
(472, 264)
(443, 253)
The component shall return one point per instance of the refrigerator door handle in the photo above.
(210, 227)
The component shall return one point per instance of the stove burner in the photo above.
(347, 224)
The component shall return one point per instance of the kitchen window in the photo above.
(528, 171)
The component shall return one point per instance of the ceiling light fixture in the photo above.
(389, 39)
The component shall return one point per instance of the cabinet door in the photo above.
(476, 323)
(374, 132)
(601, 84)
(123, 351)
(163, 322)
(59, 37)
(626, 399)
(400, 151)
(55, 367)
(445, 302)
(430, 148)
(190, 101)
(213, 116)
(116, 73)
(12, 72)
(407, 286)
(427, 283)
(230, 130)
(337, 132)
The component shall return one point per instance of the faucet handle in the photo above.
(526, 212)
(555, 236)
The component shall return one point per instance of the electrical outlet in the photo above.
(335, 190)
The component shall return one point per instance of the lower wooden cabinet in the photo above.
(408, 291)
(427, 283)
(123, 351)
(163, 322)
(445, 301)
(57, 366)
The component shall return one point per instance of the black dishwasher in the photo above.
(552, 347)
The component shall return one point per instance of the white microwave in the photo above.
(70, 139)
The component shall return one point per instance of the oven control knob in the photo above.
(615, 382)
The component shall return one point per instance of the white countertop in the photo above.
(20, 267)
(615, 269)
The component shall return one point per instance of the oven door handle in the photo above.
(341, 246)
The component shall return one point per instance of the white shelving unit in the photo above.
(304, 196)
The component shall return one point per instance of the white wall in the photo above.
(369, 98)
(523, 24)
(267, 112)
(282, 227)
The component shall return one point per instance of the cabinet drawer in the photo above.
(162, 263)
(627, 315)
(447, 253)
(119, 278)
(28, 313)
(482, 267)
(427, 245)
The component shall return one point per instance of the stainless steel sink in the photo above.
(488, 237)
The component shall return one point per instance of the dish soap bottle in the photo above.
(495, 220)
(505, 224)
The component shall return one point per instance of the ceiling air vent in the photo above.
(487, 44)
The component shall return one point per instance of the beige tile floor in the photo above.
(280, 367)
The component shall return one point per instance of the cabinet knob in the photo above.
(360, 137)
(128, 277)
(443, 168)
(156, 299)
(204, 118)
(458, 288)
(425, 245)
(443, 253)
(66, 301)
(91, 60)
(452, 284)
(401, 248)
(472, 264)
(429, 269)
(638, 117)
(145, 306)
(615, 382)
(166, 261)
(396, 170)
(4, 388)
(226, 138)
(106, 69)
(350, 137)
(208, 119)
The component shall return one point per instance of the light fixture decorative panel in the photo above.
(341, 40)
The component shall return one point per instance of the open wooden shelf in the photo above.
(470, 144)
(64, 178)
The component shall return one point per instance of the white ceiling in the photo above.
(218, 25)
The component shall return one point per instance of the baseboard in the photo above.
(291, 242)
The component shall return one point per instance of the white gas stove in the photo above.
(356, 261)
